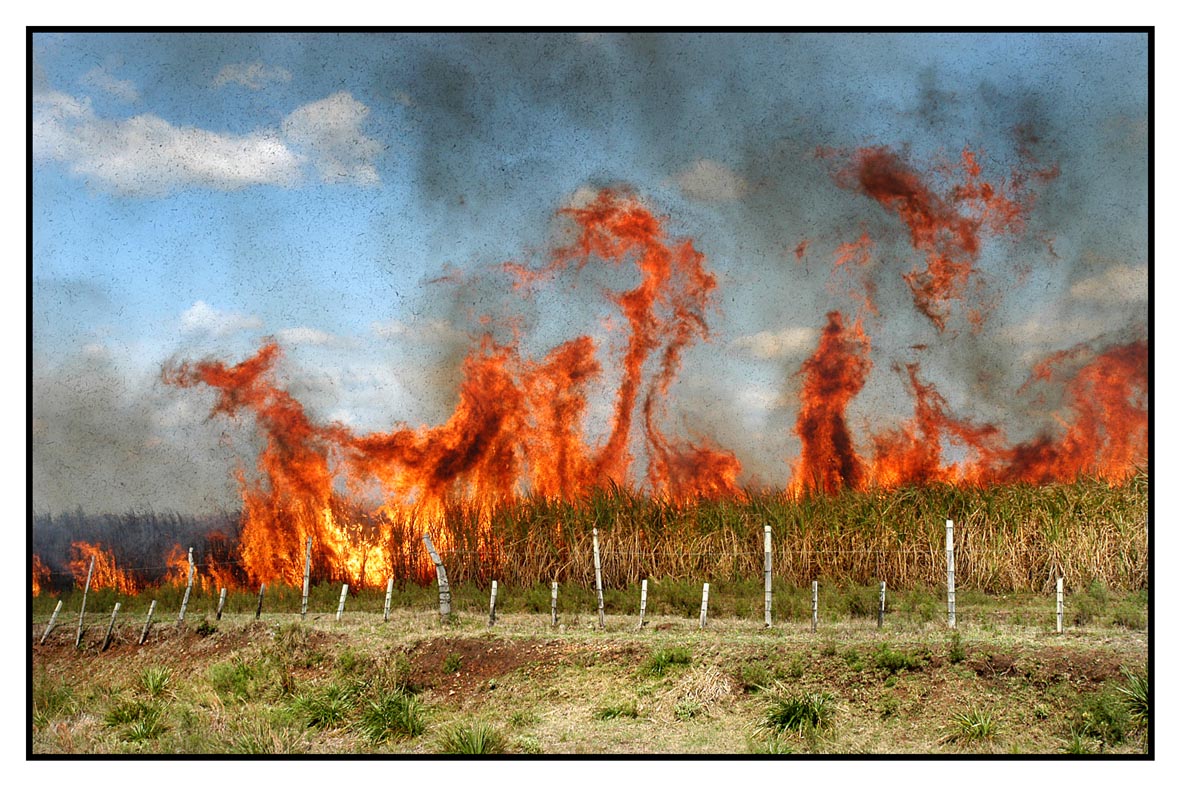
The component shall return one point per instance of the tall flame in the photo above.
(517, 428)
(106, 573)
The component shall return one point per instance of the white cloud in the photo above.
(304, 336)
(255, 76)
(420, 330)
(99, 78)
(757, 397)
(1037, 331)
(146, 155)
(767, 345)
(1117, 284)
(711, 181)
(329, 131)
(581, 197)
(201, 318)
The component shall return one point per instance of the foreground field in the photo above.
(1004, 683)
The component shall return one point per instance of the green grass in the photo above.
(51, 700)
(893, 661)
(664, 659)
(474, 738)
(392, 716)
(800, 713)
(625, 710)
(156, 681)
(1135, 693)
(1103, 716)
(974, 724)
(328, 707)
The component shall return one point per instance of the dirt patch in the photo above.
(459, 667)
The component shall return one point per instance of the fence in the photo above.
(952, 556)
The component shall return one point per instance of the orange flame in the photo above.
(516, 429)
(106, 573)
(947, 228)
(834, 374)
(40, 575)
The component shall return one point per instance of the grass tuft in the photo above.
(800, 713)
(392, 716)
(661, 661)
(475, 738)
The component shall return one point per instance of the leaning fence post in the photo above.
(344, 593)
(307, 575)
(815, 604)
(950, 574)
(82, 612)
(221, 603)
(52, 620)
(643, 601)
(389, 595)
(881, 604)
(598, 577)
(262, 589)
(704, 604)
(766, 576)
(441, 574)
(111, 627)
(492, 606)
(184, 602)
(1059, 594)
(143, 637)
(553, 604)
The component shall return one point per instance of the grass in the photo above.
(1135, 694)
(664, 659)
(800, 713)
(156, 681)
(1010, 539)
(893, 661)
(572, 692)
(392, 716)
(474, 738)
(624, 710)
(974, 724)
(326, 708)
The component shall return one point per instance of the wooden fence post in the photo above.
(184, 602)
(704, 604)
(344, 593)
(82, 612)
(950, 574)
(553, 604)
(598, 577)
(643, 601)
(307, 576)
(815, 603)
(881, 604)
(389, 595)
(766, 576)
(441, 574)
(1059, 594)
(492, 606)
(52, 620)
(143, 637)
(111, 627)
(221, 603)
(262, 589)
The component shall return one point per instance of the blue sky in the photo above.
(196, 193)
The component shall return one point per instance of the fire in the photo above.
(834, 374)
(40, 575)
(517, 428)
(946, 227)
(106, 573)
(1105, 424)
